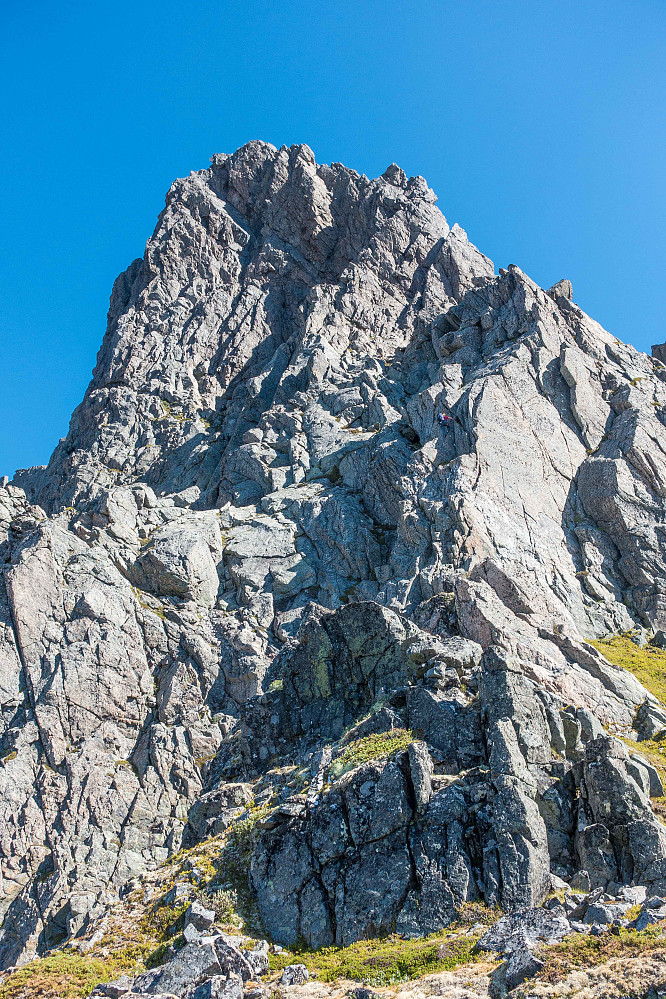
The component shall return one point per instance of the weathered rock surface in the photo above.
(255, 542)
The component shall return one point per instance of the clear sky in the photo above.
(539, 123)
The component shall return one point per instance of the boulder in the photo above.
(198, 917)
(521, 965)
(527, 927)
(295, 974)
(190, 967)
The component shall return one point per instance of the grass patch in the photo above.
(647, 664)
(383, 962)
(163, 921)
(173, 412)
(377, 746)
(68, 975)
(224, 860)
(233, 866)
(654, 752)
(581, 950)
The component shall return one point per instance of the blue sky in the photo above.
(539, 124)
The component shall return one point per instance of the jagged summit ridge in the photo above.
(256, 532)
(262, 259)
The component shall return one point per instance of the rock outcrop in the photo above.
(256, 545)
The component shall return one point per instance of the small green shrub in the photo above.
(236, 855)
(223, 903)
(378, 746)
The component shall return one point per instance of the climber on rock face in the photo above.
(445, 421)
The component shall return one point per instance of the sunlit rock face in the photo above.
(256, 536)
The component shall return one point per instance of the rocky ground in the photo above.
(260, 598)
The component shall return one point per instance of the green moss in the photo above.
(201, 761)
(321, 685)
(174, 413)
(384, 962)
(647, 664)
(9, 756)
(377, 746)
(123, 763)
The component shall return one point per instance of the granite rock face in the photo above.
(256, 543)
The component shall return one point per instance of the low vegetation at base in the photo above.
(392, 959)
(585, 951)
(233, 866)
(647, 664)
(66, 975)
(224, 861)
(377, 746)
(383, 962)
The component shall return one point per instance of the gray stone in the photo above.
(561, 288)
(199, 917)
(650, 720)
(218, 987)
(653, 910)
(605, 913)
(191, 965)
(180, 563)
(659, 638)
(580, 882)
(257, 958)
(295, 974)
(192, 934)
(521, 965)
(114, 990)
(527, 927)
(232, 961)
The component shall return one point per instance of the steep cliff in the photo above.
(257, 546)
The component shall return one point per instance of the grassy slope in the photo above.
(647, 664)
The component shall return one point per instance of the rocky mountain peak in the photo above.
(268, 262)
(332, 478)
